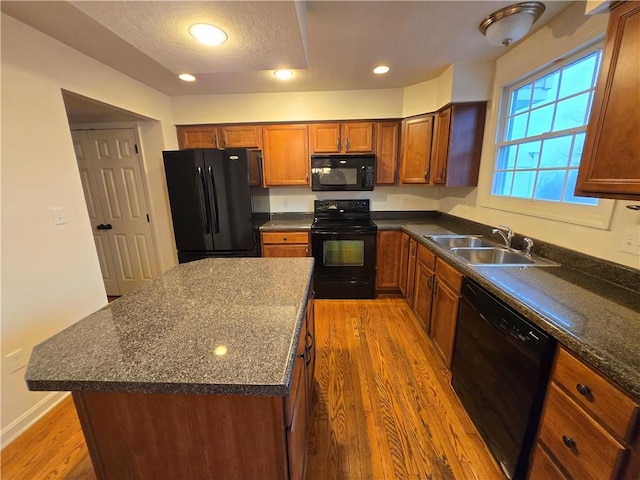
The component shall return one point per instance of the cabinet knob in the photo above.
(583, 389)
(427, 174)
(568, 442)
(284, 239)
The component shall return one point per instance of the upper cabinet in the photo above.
(610, 166)
(387, 136)
(285, 155)
(415, 157)
(457, 144)
(443, 148)
(220, 136)
(346, 137)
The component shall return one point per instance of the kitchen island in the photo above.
(204, 372)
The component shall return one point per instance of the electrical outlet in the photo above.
(15, 360)
(631, 241)
(59, 217)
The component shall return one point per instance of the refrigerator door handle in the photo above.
(216, 222)
(204, 201)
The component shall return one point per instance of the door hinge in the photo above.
(135, 147)
(148, 218)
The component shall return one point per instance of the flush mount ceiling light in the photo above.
(283, 74)
(380, 69)
(207, 34)
(187, 77)
(510, 24)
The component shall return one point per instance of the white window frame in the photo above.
(599, 216)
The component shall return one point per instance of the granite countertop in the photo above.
(596, 319)
(286, 225)
(215, 326)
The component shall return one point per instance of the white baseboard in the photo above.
(31, 416)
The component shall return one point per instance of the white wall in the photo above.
(50, 274)
(563, 34)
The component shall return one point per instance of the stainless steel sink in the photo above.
(499, 256)
(456, 241)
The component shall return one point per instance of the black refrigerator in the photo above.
(216, 212)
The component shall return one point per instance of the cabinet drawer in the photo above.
(592, 452)
(449, 275)
(613, 407)
(285, 237)
(426, 257)
(543, 467)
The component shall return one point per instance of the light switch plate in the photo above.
(59, 217)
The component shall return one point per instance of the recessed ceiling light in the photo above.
(187, 77)
(381, 69)
(207, 34)
(283, 74)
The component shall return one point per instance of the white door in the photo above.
(112, 182)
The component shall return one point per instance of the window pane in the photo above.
(569, 197)
(523, 184)
(571, 113)
(528, 155)
(578, 76)
(545, 89)
(555, 152)
(516, 127)
(506, 157)
(540, 121)
(549, 185)
(502, 183)
(576, 154)
(520, 100)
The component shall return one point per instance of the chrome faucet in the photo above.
(507, 237)
(528, 244)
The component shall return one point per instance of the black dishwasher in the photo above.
(501, 364)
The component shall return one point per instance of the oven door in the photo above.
(345, 254)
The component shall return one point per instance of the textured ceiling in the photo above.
(331, 45)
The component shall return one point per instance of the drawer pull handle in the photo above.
(583, 389)
(568, 442)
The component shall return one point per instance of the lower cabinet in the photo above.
(285, 244)
(424, 283)
(444, 312)
(408, 267)
(388, 262)
(588, 428)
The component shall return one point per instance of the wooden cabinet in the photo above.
(588, 427)
(444, 312)
(345, 137)
(409, 271)
(388, 262)
(387, 136)
(424, 283)
(610, 166)
(285, 244)
(220, 136)
(415, 157)
(457, 144)
(285, 155)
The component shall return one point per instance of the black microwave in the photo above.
(343, 172)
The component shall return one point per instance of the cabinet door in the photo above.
(416, 149)
(325, 138)
(610, 165)
(441, 146)
(285, 155)
(311, 351)
(423, 294)
(444, 316)
(404, 263)
(241, 136)
(389, 261)
(285, 251)
(411, 271)
(358, 137)
(201, 136)
(387, 139)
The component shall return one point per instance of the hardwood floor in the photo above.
(382, 408)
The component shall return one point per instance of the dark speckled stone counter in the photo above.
(597, 319)
(166, 336)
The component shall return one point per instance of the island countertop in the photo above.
(214, 326)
